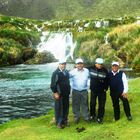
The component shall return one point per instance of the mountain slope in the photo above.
(69, 9)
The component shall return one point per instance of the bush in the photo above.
(41, 58)
(23, 37)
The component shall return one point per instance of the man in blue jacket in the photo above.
(60, 87)
(118, 90)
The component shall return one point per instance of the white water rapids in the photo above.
(60, 44)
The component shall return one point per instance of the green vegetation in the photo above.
(43, 128)
(88, 43)
(14, 38)
(70, 9)
(18, 40)
(125, 40)
(114, 39)
(120, 43)
(41, 58)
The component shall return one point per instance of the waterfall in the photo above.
(60, 44)
(106, 39)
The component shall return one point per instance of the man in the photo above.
(79, 83)
(118, 90)
(98, 87)
(60, 87)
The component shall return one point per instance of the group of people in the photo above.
(77, 81)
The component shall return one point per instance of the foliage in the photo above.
(28, 53)
(89, 36)
(125, 39)
(11, 51)
(41, 58)
(116, 41)
(70, 9)
(15, 35)
(120, 43)
(23, 37)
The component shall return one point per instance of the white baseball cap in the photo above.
(99, 61)
(79, 60)
(61, 61)
(115, 63)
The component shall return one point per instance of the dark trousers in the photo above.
(115, 100)
(101, 104)
(61, 110)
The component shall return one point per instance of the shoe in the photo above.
(116, 119)
(100, 121)
(93, 118)
(129, 118)
(60, 126)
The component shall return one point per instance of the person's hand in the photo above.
(124, 95)
(56, 96)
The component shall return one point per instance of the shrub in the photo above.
(23, 37)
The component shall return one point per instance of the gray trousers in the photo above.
(80, 102)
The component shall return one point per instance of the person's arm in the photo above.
(125, 85)
(54, 80)
(71, 73)
(106, 80)
(88, 83)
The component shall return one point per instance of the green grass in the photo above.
(42, 128)
(71, 9)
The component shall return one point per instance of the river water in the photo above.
(24, 91)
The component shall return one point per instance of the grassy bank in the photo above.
(43, 128)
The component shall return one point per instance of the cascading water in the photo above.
(60, 44)
(24, 89)
(106, 39)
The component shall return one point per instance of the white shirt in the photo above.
(79, 79)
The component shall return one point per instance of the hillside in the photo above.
(115, 39)
(70, 9)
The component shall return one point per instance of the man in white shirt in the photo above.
(79, 83)
(118, 90)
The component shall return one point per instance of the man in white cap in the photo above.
(60, 87)
(98, 87)
(118, 90)
(79, 83)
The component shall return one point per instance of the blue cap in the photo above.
(99, 61)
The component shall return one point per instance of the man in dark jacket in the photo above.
(60, 87)
(118, 90)
(98, 86)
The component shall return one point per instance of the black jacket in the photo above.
(60, 82)
(98, 79)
